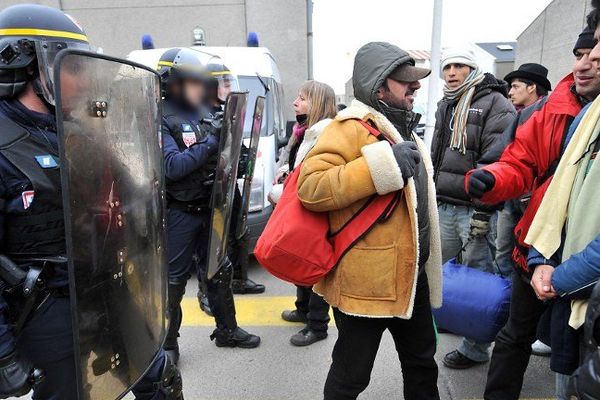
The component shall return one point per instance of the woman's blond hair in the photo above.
(321, 101)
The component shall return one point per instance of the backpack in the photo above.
(297, 246)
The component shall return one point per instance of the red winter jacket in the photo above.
(528, 162)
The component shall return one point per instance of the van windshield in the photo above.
(255, 89)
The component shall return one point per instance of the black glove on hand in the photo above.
(15, 376)
(243, 163)
(213, 125)
(407, 156)
(480, 182)
(480, 224)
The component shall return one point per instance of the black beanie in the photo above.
(585, 40)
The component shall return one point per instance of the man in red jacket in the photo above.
(526, 165)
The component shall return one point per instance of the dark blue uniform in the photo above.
(47, 337)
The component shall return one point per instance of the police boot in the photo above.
(227, 334)
(174, 297)
(203, 302)
(241, 283)
(247, 286)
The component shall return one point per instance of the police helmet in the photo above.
(223, 81)
(180, 64)
(31, 36)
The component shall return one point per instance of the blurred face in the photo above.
(398, 94)
(521, 94)
(456, 74)
(301, 104)
(193, 92)
(224, 89)
(586, 72)
(72, 86)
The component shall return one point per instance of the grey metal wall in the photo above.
(117, 27)
(550, 38)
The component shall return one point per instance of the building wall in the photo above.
(117, 27)
(550, 38)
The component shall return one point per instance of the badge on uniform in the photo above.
(46, 161)
(188, 134)
(27, 197)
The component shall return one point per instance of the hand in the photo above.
(280, 177)
(16, 376)
(408, 157)
(213, 126)
(480, 182)
(480, 224)
(542, 282)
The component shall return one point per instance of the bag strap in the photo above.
(377, 209)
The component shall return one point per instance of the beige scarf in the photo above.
(571, 201)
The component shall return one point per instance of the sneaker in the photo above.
(456, 360)
(541, 349)
(293, 316)
(306, 337)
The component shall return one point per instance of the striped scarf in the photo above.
(464, 93)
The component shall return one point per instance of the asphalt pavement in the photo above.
(279, 371)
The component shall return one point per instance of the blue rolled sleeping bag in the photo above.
(475, 303)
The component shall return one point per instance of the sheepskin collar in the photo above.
(359, 110)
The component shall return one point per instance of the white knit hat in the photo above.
(457, 55)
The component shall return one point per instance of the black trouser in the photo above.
(358, 341)
(513, 344)
(315, 308)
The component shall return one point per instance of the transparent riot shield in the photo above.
(241, 219)
(230, 146)
(113, 194)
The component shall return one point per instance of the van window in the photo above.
(255, 89)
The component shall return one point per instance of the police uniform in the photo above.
(36, 330)
(190, 147)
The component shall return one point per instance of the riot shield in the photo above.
(250, 161)
(230, 146)
(113, 193)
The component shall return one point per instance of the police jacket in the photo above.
(190, 156)
(31, 216)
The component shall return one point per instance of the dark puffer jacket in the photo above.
(489, 115)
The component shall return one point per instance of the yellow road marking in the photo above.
(250, 311)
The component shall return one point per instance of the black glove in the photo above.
(243, 163)
(480, 181)
(16, 376)
(213, 125)
(480, 224)
(407, 156)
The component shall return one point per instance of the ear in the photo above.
(379, 93)
(531, 89)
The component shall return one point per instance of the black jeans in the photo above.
(358, 341)
(314, 307)
(513, 344)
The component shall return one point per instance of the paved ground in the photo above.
(279, 371)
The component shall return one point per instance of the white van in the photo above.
(257, 72)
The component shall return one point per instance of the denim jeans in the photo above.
(478, 253)
(505, 242)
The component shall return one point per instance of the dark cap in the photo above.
(409, 73)
(585, 40)
(536, 73)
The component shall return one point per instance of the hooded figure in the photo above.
(392, 273)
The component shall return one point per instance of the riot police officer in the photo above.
(222, 82)
(190, 145)
(36, 333)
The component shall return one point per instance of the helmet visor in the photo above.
(46, 52)
(227, 83)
